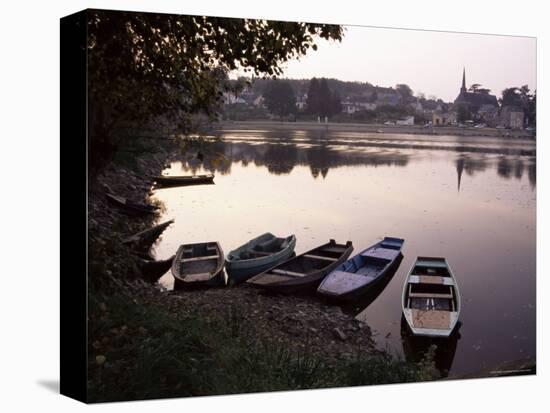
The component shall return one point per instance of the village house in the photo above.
(512, 117)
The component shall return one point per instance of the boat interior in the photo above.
(430, 287)
(372, 261)
(307, 263)
(266, 248)
(198, 261)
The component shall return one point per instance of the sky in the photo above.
(429, 62)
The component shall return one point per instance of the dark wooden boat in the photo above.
(152, 269)
(130, 207)
(305, 271)
(258, 255)
(183, 180)
(362, 272)
(431, 300)
(143, 240)
(199, 264)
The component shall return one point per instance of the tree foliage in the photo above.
(320, 100)
(405, 91)
(146, 65)
(279, 98)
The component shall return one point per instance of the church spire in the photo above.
(463, 88)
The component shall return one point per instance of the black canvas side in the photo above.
(73, 128)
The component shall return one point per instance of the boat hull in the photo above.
(167, 181)
(198, 265)
(284, 278)
(436, 311)
(363, 272)
(239, 270)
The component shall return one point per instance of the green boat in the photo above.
(257, 255)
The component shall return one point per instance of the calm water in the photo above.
(471, 200)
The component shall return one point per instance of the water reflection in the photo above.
(281, 155)
(506, 167)
(282, 158)
(356, 187)
(416, 348)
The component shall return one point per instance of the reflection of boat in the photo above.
(431, 299)
(305, 271)
(183, 180)
(258, 255)
(359, 274)
(129, 207)
(199, 264)
(416, 348)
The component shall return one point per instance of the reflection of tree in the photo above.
(532, 174)
(283, 156)
(280, 154)
(459, 169)
(518, 169)
(504, 168)
(280, 159)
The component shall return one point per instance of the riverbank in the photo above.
(228, 126)
(146, 342)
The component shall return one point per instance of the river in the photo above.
(469, 199)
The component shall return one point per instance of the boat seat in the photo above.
(430, 295)
(288, 273)
(207, 257)
(320, 257)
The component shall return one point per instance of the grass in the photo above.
(142, 350)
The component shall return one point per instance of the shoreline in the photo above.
(134, 325)
(225, 126)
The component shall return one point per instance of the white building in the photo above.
(409, 120)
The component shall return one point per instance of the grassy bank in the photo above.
(143, 349)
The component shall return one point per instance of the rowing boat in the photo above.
(305, 271)
(362, 272)
(258, 255)
(164, 180)
(431, 300)
(130, 207)
(199, 264)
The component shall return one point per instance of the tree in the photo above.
(279, 98)
(404, 91)
(511, 97)
(336, 103)
(313, 98)
(145, 65)
(325, 99)
(320, 100)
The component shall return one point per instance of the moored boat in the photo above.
(165, 180)
(258, 255)
(362, 272)
(431, 299)
(152, 269)
(199, 264)
(130, 207)
(305, 271)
